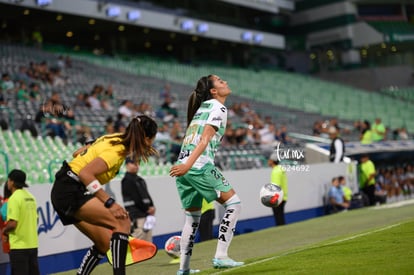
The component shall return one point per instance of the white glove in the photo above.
(149, 223)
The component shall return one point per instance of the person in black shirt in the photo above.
(138, 202)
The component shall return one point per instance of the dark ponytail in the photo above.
(134, 136)
(200, 94)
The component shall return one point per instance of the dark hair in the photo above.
(200, 94)
(133, 138)
(6, 192)
(341, 178)
(368, 126)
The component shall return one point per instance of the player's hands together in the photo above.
(118, 211)
(179, 170)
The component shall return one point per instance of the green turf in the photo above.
(376, 240)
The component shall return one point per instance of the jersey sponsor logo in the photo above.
(206, 105)
(223, 109)
(217, 118)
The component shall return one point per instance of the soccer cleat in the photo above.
(226, 263)
(175, 261)
(187, 272)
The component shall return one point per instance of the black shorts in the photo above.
(68, 194)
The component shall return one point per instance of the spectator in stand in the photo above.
(69, 122)
(109, 92)
(240, 135)
(60, 63)
(402, 134)
(126, 109)
(358, 126)
(403, 182)
(42, 71)
(52, 114)
(21, 75)
(3, 101)
(93, 99)
(7, 83)
(317, 128)
(34, 92)
(176, 131)
(145, 109)
(165, 91)
(367, 174)
(55, 78)
(80, 100)
(32, 70)
(378, 130)
(254, 138)
(109, 126)
(163, 133)
(409, 172)
(388, 181)
(337, 148)
(168, 110)
(366, 134)
(68, 62)
(336, 198)
(119, 124)
(333, 122)
(228, 136)
(283, 137)
(22, 92)
(267, 134)
(107, 97)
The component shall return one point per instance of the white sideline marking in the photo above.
(311, 247)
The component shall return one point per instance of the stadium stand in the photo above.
(287, 98)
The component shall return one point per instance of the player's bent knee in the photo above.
(224, 196)
(123, 226)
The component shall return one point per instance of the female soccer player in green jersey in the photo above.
(198, 178)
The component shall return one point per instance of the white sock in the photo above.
(192, 220)
(227, 226)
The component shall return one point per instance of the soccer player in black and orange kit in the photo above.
(79, 199)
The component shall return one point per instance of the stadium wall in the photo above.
(62, 248)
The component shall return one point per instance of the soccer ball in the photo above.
(172, 246)
(271, 195)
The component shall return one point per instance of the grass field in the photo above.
(374, 240)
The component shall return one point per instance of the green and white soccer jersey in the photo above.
(211, 112)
